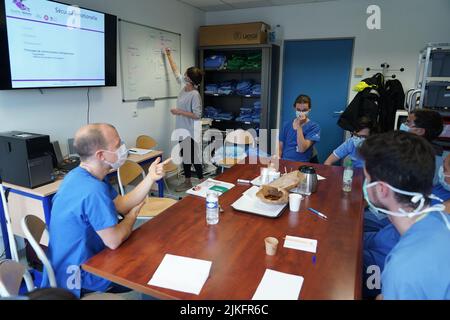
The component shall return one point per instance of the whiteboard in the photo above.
(146, 72)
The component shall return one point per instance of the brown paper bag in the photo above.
(277, 192)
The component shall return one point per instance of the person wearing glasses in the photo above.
(429, 125)
(350, 147)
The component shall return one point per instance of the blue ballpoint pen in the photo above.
(318, 213)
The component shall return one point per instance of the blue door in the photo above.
(320, 69)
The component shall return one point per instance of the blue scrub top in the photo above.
(288, 136)
(82, 206)
(348, 148)
(418, 266)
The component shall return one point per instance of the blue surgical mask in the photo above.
(417, 198)
(404, 127)
(442, 177)
(357, 141)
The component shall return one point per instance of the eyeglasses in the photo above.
(354, 134)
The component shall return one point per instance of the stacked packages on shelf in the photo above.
(217, 114)
(243, 88)
(250, 114)
(247, 62)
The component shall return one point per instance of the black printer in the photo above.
(25, 159)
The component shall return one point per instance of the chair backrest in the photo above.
(127, 173)
(11, 275)
(103, 296)
(34, 228)
(145, 142)
(240, 137)
(170, 167)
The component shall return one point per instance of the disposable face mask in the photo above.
(301, 113)
(186, 81)
(404, 127)
(357, 141)
(122, 154)
(417, 198)
(442, 177)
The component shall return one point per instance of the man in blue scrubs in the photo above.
(350, 147)
(85, 208)
(377, 245)
(399, 169)
(298, 136)
(424, 123)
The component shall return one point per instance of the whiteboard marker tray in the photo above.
(249, 203)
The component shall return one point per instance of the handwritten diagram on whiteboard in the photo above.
(146, 73)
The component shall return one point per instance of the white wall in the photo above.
(407, 26)
(60, 112)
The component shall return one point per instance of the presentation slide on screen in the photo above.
(54, 45)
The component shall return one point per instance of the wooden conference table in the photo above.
(236, 244)
(38, 201)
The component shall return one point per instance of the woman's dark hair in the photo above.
(364, 123)
(303, 99)
(195, 74)
(403, 160)
(429, 120)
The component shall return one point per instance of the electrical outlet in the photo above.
(135, 114)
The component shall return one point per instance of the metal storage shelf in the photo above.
(267, 76)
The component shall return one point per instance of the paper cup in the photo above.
(294, 202)
(264, 176)
(271, 245)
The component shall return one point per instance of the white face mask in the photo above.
(187, 81)
(416, 198)
(300, 113)
(121, 154)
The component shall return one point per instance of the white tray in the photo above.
(249, 203)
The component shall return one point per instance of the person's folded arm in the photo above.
(125, 203)
(303, 144)
(187, 114)
(113, 237)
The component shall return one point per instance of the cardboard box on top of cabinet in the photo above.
(234, 34)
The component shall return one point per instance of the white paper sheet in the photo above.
(139, 151)
(303, 244)
(278, 286)
(201, 190)
(181, 274)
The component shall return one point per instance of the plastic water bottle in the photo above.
(212, 208)
(347, 178)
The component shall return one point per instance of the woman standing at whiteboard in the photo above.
(188, 114)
